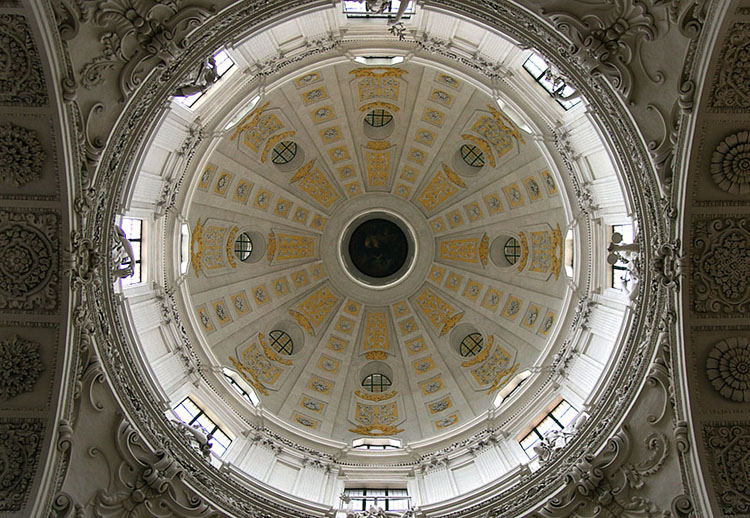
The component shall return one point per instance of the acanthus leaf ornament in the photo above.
(21, 154)
(22, 366)
(608, 42)
(143, 35)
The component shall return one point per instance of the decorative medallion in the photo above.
(728, 368)
(29, 260)
(21, 366)
(21, 77)
(21, 154)
(730, 163)
(20, 445)
(720, 257)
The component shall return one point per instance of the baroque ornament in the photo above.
(728, 444)
(731, 88)
(728, 368)
(29, 260)
(21, 76)
(20, 445)
(21, 366)
(720, 257)
(143, 35)
(21, 154)
(730, 163)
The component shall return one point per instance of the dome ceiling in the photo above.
(393, 212)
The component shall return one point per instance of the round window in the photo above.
(376, 382)
(243, 247)
(471, 345)
(281, 342)
(378, 118)
(472, 155)
(512, 250)
(283, 152)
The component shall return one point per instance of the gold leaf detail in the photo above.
(452, 176)
(484, 353)
(484, 249)
(197, 247)
(230, 248)
(271, 246)
(375, 396)
(379, 104)
(303, 321)
(378, 145)
(524, 252)
(451, 323)
(376, 355)
(270, 353)
(376, 430)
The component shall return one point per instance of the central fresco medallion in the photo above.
(378, 248)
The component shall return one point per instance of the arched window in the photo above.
(472, 155)
(283, 152)
(378, 118)
(471, 345)
(243, 247)
(376, 382)
(281, 342)
(512, 250)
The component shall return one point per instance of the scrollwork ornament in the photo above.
(21, 366)
(29, 256)
(21, 76)
(731, 87)
(720, 257)
(20, 446)
(728, 368)
(21, 154)
(730, 163)
(727, 445)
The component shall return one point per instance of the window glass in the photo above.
(558, 418)
(356, 9)
(223, 64)
(562, 92)
(190, 414)
(512, 250)
(471, 345)
(243, 247)
(376, 382)
(281, 342)
(378, 118)
(472, 155)
(619, 273)
(283, 152)
(387, 499)
(133, 229)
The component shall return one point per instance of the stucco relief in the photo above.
(140, 37)
(728, 368)
(731, 87)
(21, 154)
(21, 77)
(29, 260)
(728, 444)
(720, 260)
(22, 366)
(730, 163)
(20, 445)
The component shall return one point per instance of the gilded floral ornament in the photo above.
(730, 163)
(21, 154)
(728, 368)
(21, 366)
